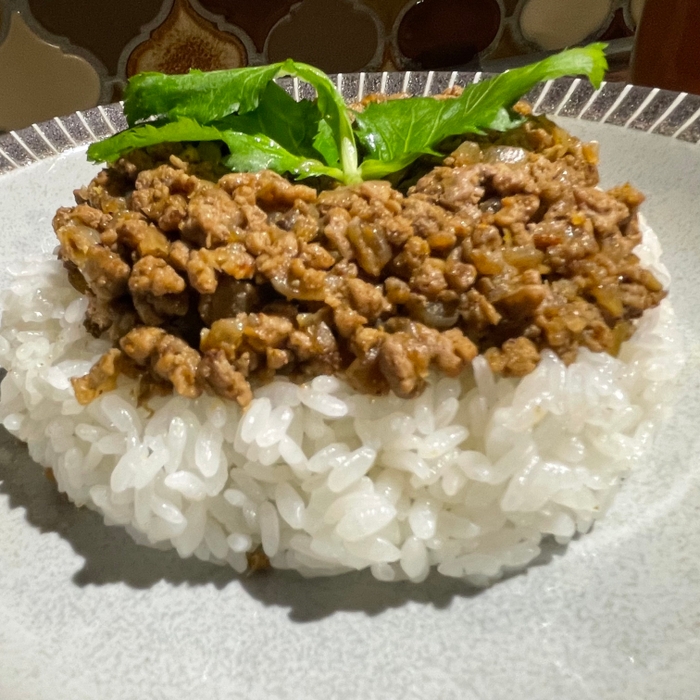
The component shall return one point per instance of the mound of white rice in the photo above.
(467, 477)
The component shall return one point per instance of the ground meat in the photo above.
(167, 356)
(157, 290)
(151, 275)
(212, 218)
(102, 377)
(230, 298)
(216, 374)
(203, 266)
(405, 356)
(114, 317)
(209, 281)
(516, 358)
(135, 233)
(367, 299)
(105, 273)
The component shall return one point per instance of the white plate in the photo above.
(86, 613)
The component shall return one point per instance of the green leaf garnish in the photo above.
(296, 131)
(263, 127)
(249, 152)
(204, 97)
(183, 129)
(402, 130)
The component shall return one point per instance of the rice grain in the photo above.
(468, 477)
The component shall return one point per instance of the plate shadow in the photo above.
(110, 556)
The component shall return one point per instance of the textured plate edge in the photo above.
(600, 106)
(72, 128)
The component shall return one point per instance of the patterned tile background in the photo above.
(57, 56)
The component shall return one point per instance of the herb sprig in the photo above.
(264, 127)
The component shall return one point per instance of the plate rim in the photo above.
(662, 112)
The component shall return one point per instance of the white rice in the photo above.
(468, 477)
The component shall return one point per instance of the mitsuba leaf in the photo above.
(324, 143)
(253, 153)
(375, 169)
(248, 152)
(183, 129)
(204, 97)
(506, 119)
(264, 127)
(335, 113)
(401, 130)
(211, 97)
(293, 125)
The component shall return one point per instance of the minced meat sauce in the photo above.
(206, 282)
